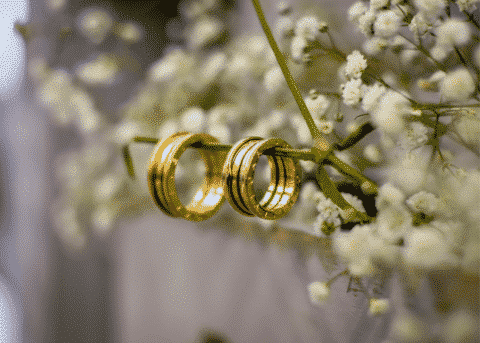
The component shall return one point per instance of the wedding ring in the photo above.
(284, 185)
(230, 173)
(238, 173)
(161, 177)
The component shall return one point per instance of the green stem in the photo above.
(440, 106)
(471, 19)
(322, 146)
(332, 280)
(139, 139)
(426, 53)
(367, 185)
(331, 191)
(355, 136)
(128, 161)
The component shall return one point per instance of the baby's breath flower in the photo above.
(319, 292)
(284, 8)
(326, 126)
(415, 135)
(307, 166)
(55, 94)
(432, 83)
(168, 128)
(352, 92)
(101, 71)
(386, 24)
(393, 223)
(309, 191)
(214, 65)
(440, 52)
(467, 126)
(372, 153)
(461, 326)
(378, 4)
(409, 328)
(95, 24)
(356, 11)
(284, 26)
(328, 209)
(432, 8)
(88, 118)
(408, 55)
(424, 202)
(389, 114)
(274, 80)
(126, 131)
(129, 32)
(193, 119)
(419, 25)
(389, 195)
(453, 32)
(372, 96)
(467, 5)
(103, 219)
(308, 27)
(356, 64)
(378, 306)
(106, 187)
(303, 133)
(457, 85)
(427, 249)
(222, 132)
(354, 201)
(318, 105)
(324, 227)
(38, 69)
(277, 119)
(298, 46)
(366, 21)
(353, 247)
(56, 5)
(205, 31)
(167, 67)
(374, 45)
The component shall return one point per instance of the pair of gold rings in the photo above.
(228, 175)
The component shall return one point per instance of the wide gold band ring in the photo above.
(231, 170)
(161, 177)
(238, 173)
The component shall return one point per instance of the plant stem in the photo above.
(440, 106)
(355, 136)
(150, 140)
(322, 146)
(128, 161)
(426, 53)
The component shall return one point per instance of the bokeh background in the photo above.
(154, 279)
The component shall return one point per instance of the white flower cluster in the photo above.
(354, 89)
(306, 34)
(377, 19)
(330, 216)
(428, 213)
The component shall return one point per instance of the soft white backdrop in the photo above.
(168, 279)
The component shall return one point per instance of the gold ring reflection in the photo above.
(161, 177)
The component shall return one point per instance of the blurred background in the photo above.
(152, 279)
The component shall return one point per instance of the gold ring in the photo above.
(161, 177)
(230, 174)
(284, 185)
(159, 158)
